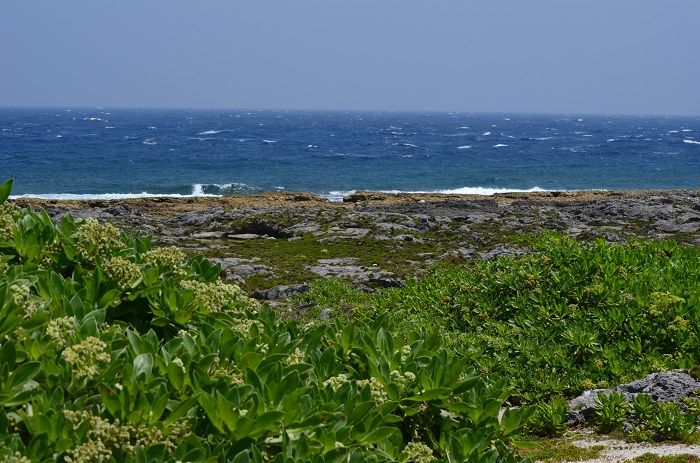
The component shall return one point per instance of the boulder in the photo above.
(668, 386)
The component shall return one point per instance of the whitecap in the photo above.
(410, 145)
(686, 130)
(336, 196)
(211, 132)
(94, 119)
(610, 140)
(150, 141)
(542, 138)
(108, 127)
(465, 147)
(692, 142)
(486, 133)
(673, 131)
(59, 136)
(312, 146)
(151, 128)
(500, 145)
(269, 141)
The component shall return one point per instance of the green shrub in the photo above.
(111, 350)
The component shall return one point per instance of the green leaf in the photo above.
(5, 190)
(143, 364)
(431, 394)
(23, 374)
(377, 435)
(110, 399)
(37, 447)
(8, 354)
(176, 376)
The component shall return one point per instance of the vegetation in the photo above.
(113, 350)
(568, 317)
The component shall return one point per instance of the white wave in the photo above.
(673, 131)
(464, 127)
(542, 138)
(407, 156)
(109, 127)
(152, 128)
(410, 145)
(279, 188)
(692, 142)
(312, 146)
(487, 191)
(211, 132)
(106, 196)
(610, 140)
(269, 141)
(486, 133)
(59, 136)
(336, 196)
(398, 133)
(150, 141)
(465, 147)
(500, 145)
(201, 138)
(94, 119)
(686, 130)
(580, 120)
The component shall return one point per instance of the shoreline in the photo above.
(166, 206)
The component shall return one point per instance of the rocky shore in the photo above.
(379, 239)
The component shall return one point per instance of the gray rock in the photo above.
(668, 386)
(277, 293)
(388, 282)
(243, 236)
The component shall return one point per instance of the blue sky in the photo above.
(631, 57)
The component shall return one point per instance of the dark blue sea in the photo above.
(113, 153)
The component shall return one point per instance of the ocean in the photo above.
(83, 153)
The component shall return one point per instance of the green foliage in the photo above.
(566, 318)
(610, 412)
(111, 350)
(549, 419)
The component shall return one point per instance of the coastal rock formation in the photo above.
(378, 239)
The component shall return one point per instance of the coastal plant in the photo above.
(670, 424)
(611, 411)
(549, 419)
(121, 352)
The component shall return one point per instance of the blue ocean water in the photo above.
(111, 153)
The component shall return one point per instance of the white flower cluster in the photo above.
(405, 353)
(376, 388)
(418, 452)
(122, 271)
(335, 382)
(103, 436)
(21, 295)
(218, 296)
(402, 380)
(93, 238)
(229, 370)
(7, 221)
(16, 458)
(87, 357)
(243, 325)
(295, 357)
(61, 330)
(171, 258)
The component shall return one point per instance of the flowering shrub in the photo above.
(116, 352)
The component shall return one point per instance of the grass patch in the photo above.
(561, 449)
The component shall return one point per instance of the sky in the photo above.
(544, 56)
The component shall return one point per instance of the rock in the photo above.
(262, 226)
(208, 235)
(388, 282)
(243, 236)
(277, 293)
(662, 387)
